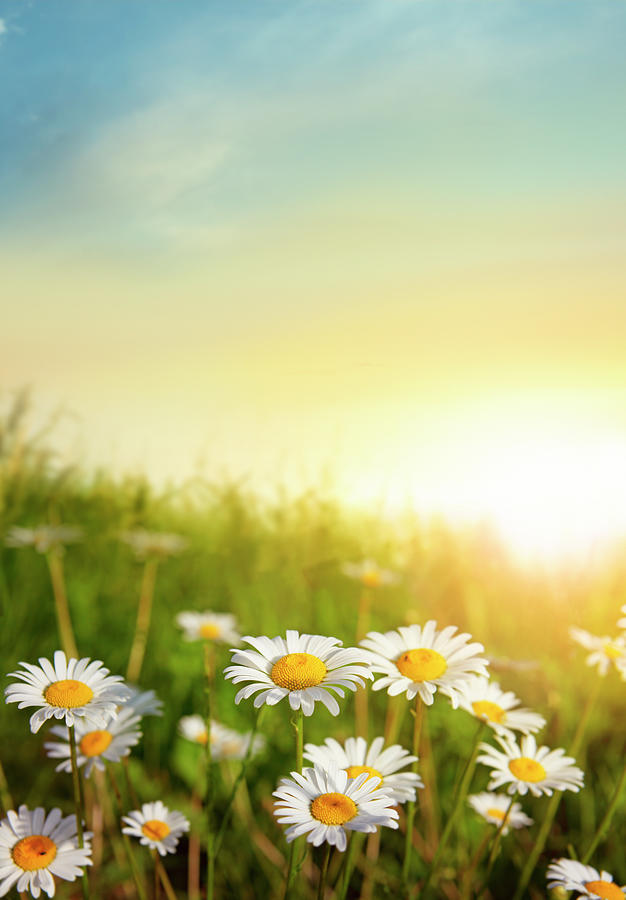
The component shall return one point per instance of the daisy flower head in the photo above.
(604, 650)
(72, 690)
(370, 574)
(156, 826)
(35, 846)
(325, 803)
(585, 880)
(44, 537)
(302, 667)
(356, 757)
(418, 661)
(157, 544)
(209, 626)
(621, 623)
(528, 768)
(485, 700)
(493, 809)
(96, 745)
(225, 742)
(143, 703)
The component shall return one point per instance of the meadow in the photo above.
(278, 565)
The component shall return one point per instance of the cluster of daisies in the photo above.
(102, 718)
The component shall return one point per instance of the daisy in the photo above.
(156, 827)
(96, 745)
(71, 690)
(621, 623)
(144, 703)
(604, 650)
(44, 537)
(35, 846)
(325, 803)
(302, 667)
(225, 743)
(587, 881)
(540, 771)
(355, 757)
(209, 626)
(493, 809)
(487, 701)
(417, 660)
(369, 573)
(153, 543)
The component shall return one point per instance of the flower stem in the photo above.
(5, 795)
(321, 888)
(606, 819)
(353, 848)
(461, 794)
(78, 805)
(361, 695)
(410, 815)
(584, 718)
(64, 621)
(236, 783)
(473, 865)
(127, 844)
(144, 613)
(535, 853)
(165, 881)
(209, 670)
(297, 723)
(495, 846)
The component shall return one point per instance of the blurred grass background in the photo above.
(276, 565)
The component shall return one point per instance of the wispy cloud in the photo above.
(3, 27)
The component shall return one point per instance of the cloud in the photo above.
(3, 27)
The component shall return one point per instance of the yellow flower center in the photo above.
(605, 889)
(95, 742)
(612, 651)
(333, 809)
(68, 693)
(155, 829)
(527, 769)
(200, 738)
(495, 813)
(209, 631)
(422, 664)
(485, 709)
(34, 852)
(371, 578)
(296, 671)
(353, 771)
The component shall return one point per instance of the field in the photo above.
(276, 566)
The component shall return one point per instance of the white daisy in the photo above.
(209, 626)
(587, 881)
(356, 757)
(44, 537)
(35, 846)
(493, 808)
(604, 650)
(71, 690)
(486, 700)
(621, 623)
(154, 543)
(144, 703)
(417, 660)
(302, 667)
(325, 803)
(369, 573)
(526, 768)
(95, 745)
(156, 827)
(225, 743)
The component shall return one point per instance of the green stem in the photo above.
(584, 718)
(410, 815)
(127, 843)
(535, 853)
(64, 620)
(240, 775)
(461, 794)
(606, 819)
(297, 723)
(5, 794)
(321, 888)
(209, 670)
(469, 872)
(496, 840)
(142, 625)
(351, 855)
(78, 804)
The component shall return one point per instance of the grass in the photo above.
(277, 565)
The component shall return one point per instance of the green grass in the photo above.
(277, 566)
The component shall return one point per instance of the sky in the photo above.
(377, 243)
